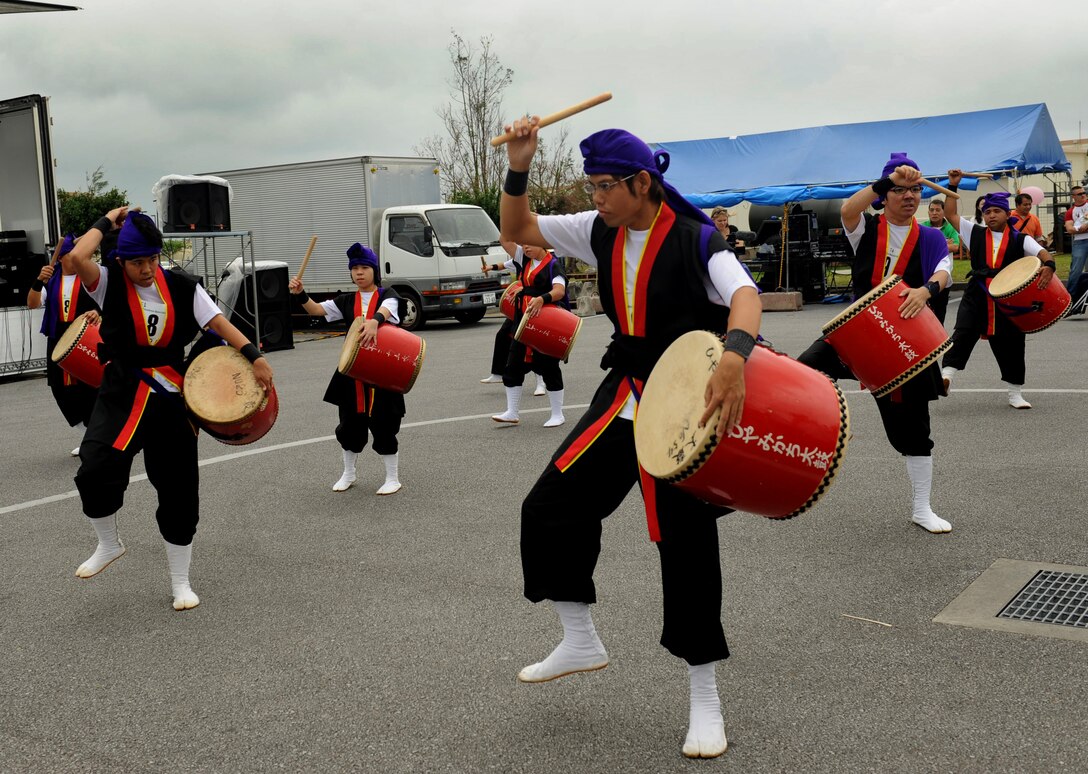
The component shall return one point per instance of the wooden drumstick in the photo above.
(56, 253)
(548, 120)
(983, 175)
(941, 188)
(306, 260)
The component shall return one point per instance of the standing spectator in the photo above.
(1026, 222)
(1076, 223)
(937, 220)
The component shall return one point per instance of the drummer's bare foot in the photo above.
(706, 729)
(110, 548)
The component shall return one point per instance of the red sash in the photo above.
(880, 260)
(364, 394)
(66, 309)
(993, 261)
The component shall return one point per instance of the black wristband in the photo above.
(934, 289)
(103, 224)
(379, 317)
(953, 186)
(303, 297)
(517, 183)
(1050, 265)
(38, 284)
(740, 341)
(882, 186)
(250, 352)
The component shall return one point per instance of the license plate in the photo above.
(489, 298)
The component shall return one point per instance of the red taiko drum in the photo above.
(225, 398)
(776, 462)
(392, 362)
(552, 332)
(883, 349)
(508, 302)
(1016, 292)
(77, 351)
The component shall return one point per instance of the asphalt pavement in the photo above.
(350, 632)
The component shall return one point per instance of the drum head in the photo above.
(220, 386)
(351, 345)
(1015, 276)
(667, 436)
(861, 303)
(70, 337)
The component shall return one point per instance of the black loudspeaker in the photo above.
(272, 305)
(201, 207)
(18, 268)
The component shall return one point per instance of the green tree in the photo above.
(80, 209)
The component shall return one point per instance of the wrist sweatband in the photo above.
(303, 297)
(103, 224)
(953, 186)
(379, 317)
(1050, 265)
(250, 352)
(517, 183)
(934, 289)
(882, 186)
(38, 284)
(740, 341)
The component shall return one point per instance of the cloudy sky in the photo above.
(145, 88)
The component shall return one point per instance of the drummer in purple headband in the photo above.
(886, 244)
(993, 246)
(663, 270)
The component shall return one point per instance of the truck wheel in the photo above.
(413, 312)
(470, 316)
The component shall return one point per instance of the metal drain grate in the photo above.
(1051, 597)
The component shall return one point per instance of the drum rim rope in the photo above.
(862, 304)
(694, 464)
(85, 323)
(573, 337)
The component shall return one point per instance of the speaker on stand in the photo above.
(272, 304)
(197, 207)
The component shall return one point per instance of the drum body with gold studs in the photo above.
(552, 332)
(776, 462)
(223, 395)
(883, 349)
(509, 301)
(77, 351)
(392, 362)
(1017, 294)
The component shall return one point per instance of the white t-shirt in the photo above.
(389, 308)
(1080, 217)
(897, 236)
(69, 282)
(519, 256)
(1031, 247)
(570, 234)
(204, 310)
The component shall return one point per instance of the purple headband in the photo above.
(896, 160)
(67, 245)
(131, 242)
(361, 255)
(998, 199)
(618, 152)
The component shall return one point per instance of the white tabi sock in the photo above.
(920, 470)
(513, 407)
(1016, 400)
(555, 398)
(540, 388)
(178, 558)
(706, 729)
(348, 477)
(580, 651)
(110, 547)
(492, 379)
(392, 483)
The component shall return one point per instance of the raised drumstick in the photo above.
(566, 113)
(306, 260)
(941, 188)
(56, 252)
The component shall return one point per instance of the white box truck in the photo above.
(430, 252)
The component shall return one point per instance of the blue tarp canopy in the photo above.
(833, 162)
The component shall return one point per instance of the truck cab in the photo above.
(432, 255)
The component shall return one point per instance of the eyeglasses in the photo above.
(592, 188)
(1080, 193)
(900, 190)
